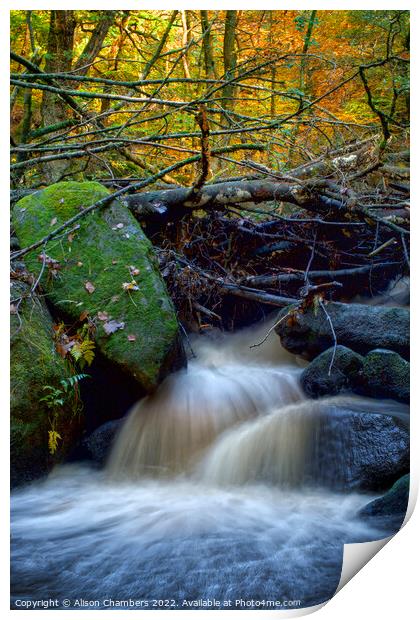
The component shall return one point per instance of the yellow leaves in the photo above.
(83, 352)
(53, 438)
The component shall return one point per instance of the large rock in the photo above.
(317, 380)
(394, 502)
(363, 450)
(34, 365)
(384, 374)
(108, 252)
(359, 327)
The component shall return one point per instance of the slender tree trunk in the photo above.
(185, 40)
(229, 58)
(59, 59)
(303, 82)
(94, 45)
(209, 64)
(159, 47)
(115, 54)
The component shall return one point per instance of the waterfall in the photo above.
(169, 431)
(219, 491)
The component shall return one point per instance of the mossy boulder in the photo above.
(384, 374)
(394, 502)
(107, 266)
(317, 380)
(34, 364)
(357, 326)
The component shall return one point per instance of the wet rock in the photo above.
(359, 327)
(317, 380)
(384, 374)
(105, 265)
(360, 449)
(98, 445)
(394, 502)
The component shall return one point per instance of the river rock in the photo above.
(98, 445)
(394, 502)
(34, 365)
(357, 326)
(318, 381)
(384, 374)
(104, 268)
(361, 450)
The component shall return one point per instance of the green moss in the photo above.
(108, 243)
(386, 374)
(34, 364)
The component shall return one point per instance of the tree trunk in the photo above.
(229, 58)
(59, 60)
(94, 45)
(209, 64)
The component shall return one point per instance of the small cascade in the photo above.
(221, 486)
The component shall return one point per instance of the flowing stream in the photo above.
(214, 497)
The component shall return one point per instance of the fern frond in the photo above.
(53, 438)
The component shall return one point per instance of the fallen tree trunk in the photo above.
(318, 196)
(231, 193)
(300, 275)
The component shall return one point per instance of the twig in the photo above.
(258, 344)
(383, 246)
(405, 251)
(321, 303)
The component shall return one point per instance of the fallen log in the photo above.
(222, 194)
(300, 275)
(319, 197)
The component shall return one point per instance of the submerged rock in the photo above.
(359, 327)
(35, 367)
(394, 502)
(317, 380)
(384, 374)
(105, 268)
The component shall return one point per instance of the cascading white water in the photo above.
(202, 497)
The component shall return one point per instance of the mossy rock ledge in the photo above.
(107, 250)
(35, 364)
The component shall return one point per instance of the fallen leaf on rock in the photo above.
(89, 287)
(131, 337)
(112, 326)
(134, 271)
(130, 286)
(103, 316)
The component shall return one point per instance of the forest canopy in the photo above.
(119, 94)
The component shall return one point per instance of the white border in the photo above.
(388, 585)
